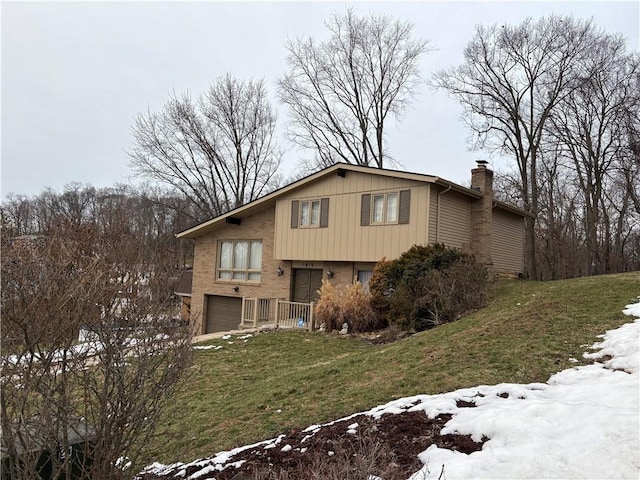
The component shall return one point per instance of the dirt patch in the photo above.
(386, 447)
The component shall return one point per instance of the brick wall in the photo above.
(481, 214)
(256, 227)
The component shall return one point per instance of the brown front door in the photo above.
(306, 283)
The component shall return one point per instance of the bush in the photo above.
(356, 309)
(448, 294)
(380, 285)
(69, 410)
(350, 304)
(427, 286)
(327, 309)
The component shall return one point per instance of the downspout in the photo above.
(438, 213)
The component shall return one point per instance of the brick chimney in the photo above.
(482, 213)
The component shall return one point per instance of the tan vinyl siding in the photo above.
(455, 220)
(433, 212)
(345, 239)
(507, 241)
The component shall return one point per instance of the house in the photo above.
(336, 224)
(183, 290)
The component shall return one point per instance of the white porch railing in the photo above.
(294, 315)
(257, 312)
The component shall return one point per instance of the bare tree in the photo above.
(589, 128)
(151, 213)
(341, 91)
(630, 165)
(510, 82)
(18, 215)
(84, 409)
(219, 152)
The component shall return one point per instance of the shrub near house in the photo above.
(426, 286)
(349, 304)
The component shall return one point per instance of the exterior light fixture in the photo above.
(236, 289)
(280, 272)
(329, 274)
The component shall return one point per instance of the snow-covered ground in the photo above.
(583, 423)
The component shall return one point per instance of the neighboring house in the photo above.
(183, 290)
(336, 224)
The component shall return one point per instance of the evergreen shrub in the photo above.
(426, 286)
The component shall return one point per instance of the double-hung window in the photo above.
(310, 213)
(363, 276)
(384, 208)
(240, 260)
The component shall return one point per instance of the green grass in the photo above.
(274, 382)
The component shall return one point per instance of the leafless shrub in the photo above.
(360, 458)
(84, 408)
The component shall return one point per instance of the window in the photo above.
(378, 209)
(310, 213)
(384, 208)
(240, 260)
(363, 276)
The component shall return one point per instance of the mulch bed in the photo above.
(386, 447)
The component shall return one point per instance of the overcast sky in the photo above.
(75, 75)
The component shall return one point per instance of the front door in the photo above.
(306, 283)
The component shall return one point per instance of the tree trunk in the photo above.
(531, 271)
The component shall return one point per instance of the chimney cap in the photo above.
(482, 163)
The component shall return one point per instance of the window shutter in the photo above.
(324, 213)
(365, 209)
(294, 213)
(404, 207)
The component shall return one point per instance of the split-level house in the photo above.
(336, 224)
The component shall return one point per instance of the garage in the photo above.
(223, 313)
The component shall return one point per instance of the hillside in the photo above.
(247, 389)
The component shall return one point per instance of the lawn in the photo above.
(254, 388)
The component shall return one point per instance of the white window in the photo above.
(384, 208)
(310, 213)
(378, 209)
(363, 276)
(240, 260)
(392, 208)
(313, 213)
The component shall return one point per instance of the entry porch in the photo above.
(276, 313)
